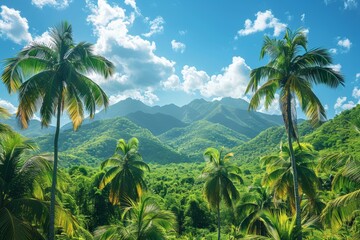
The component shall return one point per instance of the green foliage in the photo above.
(338, 134)
(124, 172)
(199, 135)
(95, 142)
(141, 220)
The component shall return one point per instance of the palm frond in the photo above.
(341, 209)
(12, 228)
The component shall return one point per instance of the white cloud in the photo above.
(193, 79)
(274, 107)
(172, 83)
(264, 20)
(44, 38)
(13, 26)
(357, 76)
(131, 3)
(356, 93)
(51, 3)
(341, 104)
(137, 65)
(178, 46)
(146, 96)
(182, 32)
(333, 50)
(231, 82)
(335, 67)
(350, 4)
(302, 17)
(345, 44)
(8, 106)
(156, 26)
(326, 107)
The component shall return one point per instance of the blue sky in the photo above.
(175, 51)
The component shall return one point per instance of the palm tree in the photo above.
(252, 204)
(279, 175)
(125, 172)
(281, 227)
(345, 207)
(218, 175)
(293, 74)
(23, 207)
(53, 76)
(142, 220)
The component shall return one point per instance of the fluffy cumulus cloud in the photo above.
(231, 82)
(137, 65)
(13, 26)
(356, 93)
(350, 4)
(8, 106)
(263, 21)
(51, 3)
(345, 44)
(147, 96)
(172, 83)
(178, 46)
(342, 103)
(156, 26)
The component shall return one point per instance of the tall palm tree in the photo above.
(53, 75)
(23, 178)
(219, 175)
(125, 172)
(292, 70)
(279, 175)
(142, 220)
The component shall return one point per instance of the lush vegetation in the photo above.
(210, 174)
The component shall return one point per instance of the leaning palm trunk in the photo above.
(290, 131)
(54, 176)
(218, 216)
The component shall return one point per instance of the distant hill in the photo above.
(157, 123)
(96, 142)
(338, 134)
(183, 132)
(268, 141)
(34, 129)
(195, 138)
(229, 112)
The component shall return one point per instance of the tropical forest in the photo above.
(216, 169)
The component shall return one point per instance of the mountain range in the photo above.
(166, 133)
(181, 134)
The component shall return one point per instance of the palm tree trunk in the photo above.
(218, 216)
(295, 175)
(54, 177)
